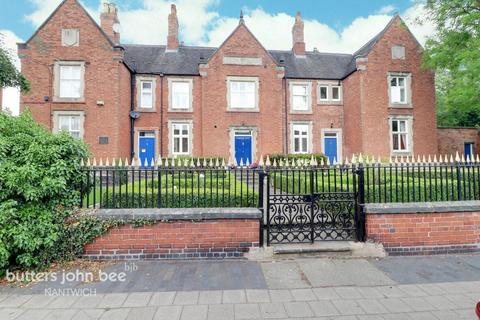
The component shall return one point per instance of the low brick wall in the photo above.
(181, 234)
(425, 228)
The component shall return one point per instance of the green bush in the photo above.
(39, 177)
(179, 199)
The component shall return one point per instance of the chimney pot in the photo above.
(297, 36)
(109, 22)
(172, 38)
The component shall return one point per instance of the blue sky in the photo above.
(336, 14)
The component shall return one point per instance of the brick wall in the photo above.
(425, 233)
(452, 140)
(219, 238)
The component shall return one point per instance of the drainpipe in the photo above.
(132, 119)
(161, 113)
(285, 146)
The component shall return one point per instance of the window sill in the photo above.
(400, 106)
(301, 112)
(180, 110)
(145, 110)
(68, 100)
(329, 103)
(400, 153)
(243, 110)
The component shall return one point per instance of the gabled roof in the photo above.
(367, 47)
(240, 25)
(85, 11)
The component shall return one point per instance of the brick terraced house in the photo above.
(239, 100)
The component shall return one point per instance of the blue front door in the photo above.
(243, 149)
(468, 149)
(331, 148)
(146, 150)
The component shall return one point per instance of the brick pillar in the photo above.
(110, 23)
(297, 35)
(172, 38)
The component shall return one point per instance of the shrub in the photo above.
(39, 173)
(195, 199)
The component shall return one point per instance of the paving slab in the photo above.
(431, 269)
(284, 275)
(342, 272)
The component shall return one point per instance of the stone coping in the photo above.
(422, 207)
(167, 214)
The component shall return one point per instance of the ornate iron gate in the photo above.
(314, 208)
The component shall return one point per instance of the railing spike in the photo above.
(268, 163)
(223, 163)
(198, 163)
(312, 161)
(166, 163)
(88, 162)
(107, 163)
(101, 162)
(192, 163)
(217, 162)
(260, 162)
(435, 158)
(82, 164)
(360, 158)
(229, 162)
(457, 157)
(204, 162)
(152, 162)
(451, 159)
(235, 164)
(275, 162)
(280, 163)
(286, 163)
(468, 158)
(462, 159)
(440, 159)
(354, 160)
(210, 163)
(429, 159)
(328, 161)
(247, 163)
(159, 162)
(346, 161)
(423, 159)
(241, 162)
(145, 162)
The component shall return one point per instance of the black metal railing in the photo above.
(215, 185)
(168, 187)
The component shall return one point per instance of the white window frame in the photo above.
(339, 93)
(143, 91)
(232, 79)
(139, 96)
(408, 134)
(171, 84)
(308, 87)
(320, 86)
(172, 137)
(308, 126)
(406, 87)
(57, 97)
(58, 114)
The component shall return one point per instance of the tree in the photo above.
(454, 52)
(9, 75)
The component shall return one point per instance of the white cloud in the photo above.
(388, 9)
(200, 24)
(11, 96)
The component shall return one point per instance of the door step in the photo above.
(333, 249)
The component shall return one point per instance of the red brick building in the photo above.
(239, 100)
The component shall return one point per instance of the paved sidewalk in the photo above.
(435, 287)
(428, 301)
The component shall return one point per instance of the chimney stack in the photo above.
(297, 35)
(172, 39)
(110, 23)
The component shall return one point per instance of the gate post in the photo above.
(360, 201)
(261, 207)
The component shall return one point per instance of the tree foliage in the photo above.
(9, 75)
(455, 53)
(39, 175)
